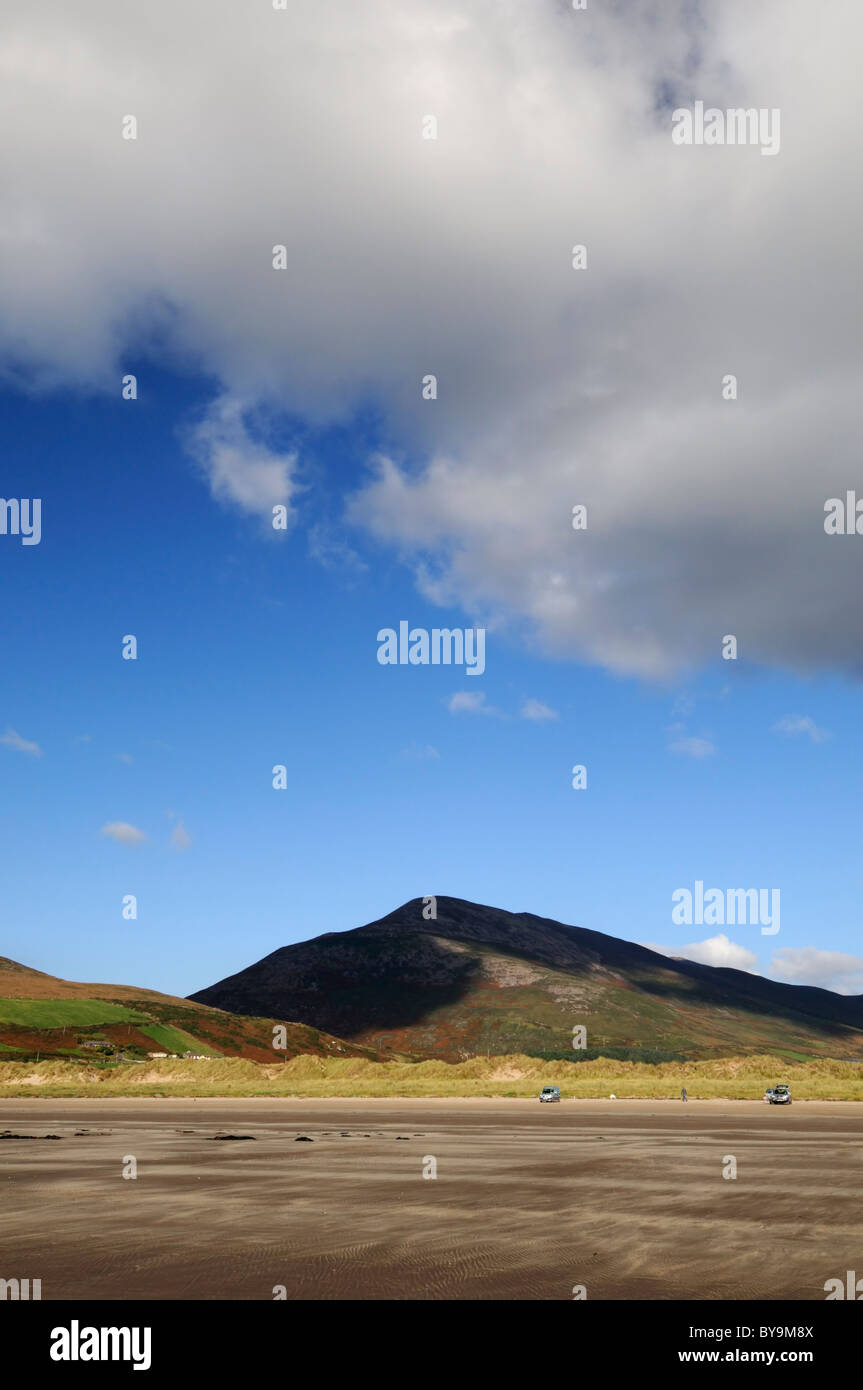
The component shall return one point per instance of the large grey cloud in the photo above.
(406, 256)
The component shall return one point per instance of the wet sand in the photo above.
(624, 1197)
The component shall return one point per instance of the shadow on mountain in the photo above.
(438, 982)
(378, 984)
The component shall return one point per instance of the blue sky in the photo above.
(253, 652)
(283, 223)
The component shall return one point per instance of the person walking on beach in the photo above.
(683, 1093)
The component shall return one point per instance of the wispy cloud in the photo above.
(123, 834)
(180, 837)
(331, 550)
(537, 711)
(417, 753)
(124, 758)
(470, 702)
(693, 747)
(795, 724)
(684, 705)
(12, 739)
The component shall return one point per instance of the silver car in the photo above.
(778, 1095)
(549, 1093)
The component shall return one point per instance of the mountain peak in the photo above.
(479, 978)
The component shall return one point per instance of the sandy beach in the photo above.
(626, 1198)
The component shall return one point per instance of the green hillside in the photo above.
(64, 1013)
(43, 1016)
(174, 1040)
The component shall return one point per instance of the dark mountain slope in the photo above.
(482, 979)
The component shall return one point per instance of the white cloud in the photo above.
(12, 739)
(715, 950)
(452, 256)
(470, 702)
(125, 758)
(801, 724)
(693, 747)
(180, 837)
(808, 965)
(240, 469)
(536, 710)
(123, 834)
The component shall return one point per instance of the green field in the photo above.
(63, 1013)
(173, 1039)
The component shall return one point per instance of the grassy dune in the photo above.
(727, 1078)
